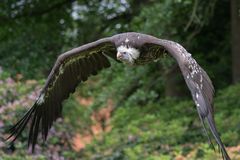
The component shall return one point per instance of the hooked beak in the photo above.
(119, 56)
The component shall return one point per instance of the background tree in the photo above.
(145, 124)
(235, 24)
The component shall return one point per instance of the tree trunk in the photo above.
(174, 83)
(235, 22)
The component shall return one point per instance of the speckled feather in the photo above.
(76, 65)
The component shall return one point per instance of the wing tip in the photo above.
(16, 130)
(213, 129)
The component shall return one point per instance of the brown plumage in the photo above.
(76, 65)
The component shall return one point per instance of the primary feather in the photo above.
(75, 66)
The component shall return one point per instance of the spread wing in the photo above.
(198, 83)
(70, 69)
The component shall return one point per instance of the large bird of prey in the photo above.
(76, 65)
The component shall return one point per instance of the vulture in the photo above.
(131, 48)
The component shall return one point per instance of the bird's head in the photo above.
(127, 54)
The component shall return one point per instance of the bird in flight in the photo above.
(76, 65)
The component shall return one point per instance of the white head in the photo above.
(127, 54)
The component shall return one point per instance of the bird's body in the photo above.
(133, 43)
(76, 65)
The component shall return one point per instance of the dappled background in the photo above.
(124, 113)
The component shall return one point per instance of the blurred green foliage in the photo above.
(145, 124)
(166, 129)
(32, 34)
